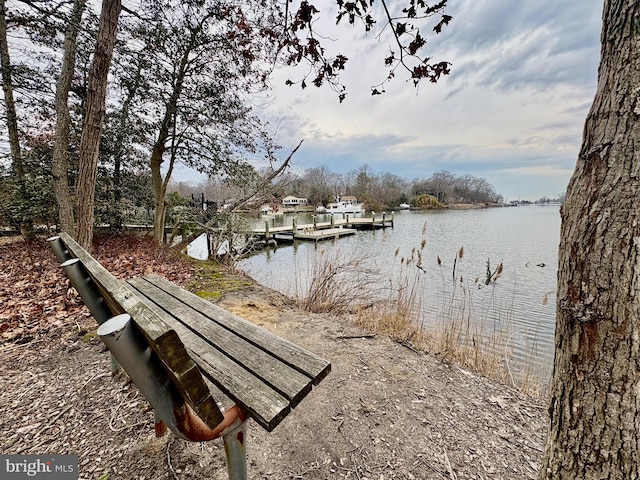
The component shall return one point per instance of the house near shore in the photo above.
(293, 202)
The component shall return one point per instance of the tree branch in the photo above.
(266, 181)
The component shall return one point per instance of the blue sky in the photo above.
(512, 110)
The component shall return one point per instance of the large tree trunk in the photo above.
(595, 406)
(90, 140)
(59, 164)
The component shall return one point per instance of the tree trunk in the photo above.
(59, 164)
(166, 132)
(90, 139)
(17, 164)
(10, 105)
(595, 405)
(158, 191)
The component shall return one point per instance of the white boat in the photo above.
(321, 209)
(405, 206)
(346, 204)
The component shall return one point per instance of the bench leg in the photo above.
(60, 250)
(159, 426)
(131, 349)
(235, 446)
(86, 287)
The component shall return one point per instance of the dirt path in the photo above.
(384, 412)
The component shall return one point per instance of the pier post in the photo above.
(294, 226)
(315, 222)
(346, 217)
(266, 230)
(392, 215)
(384, 218)
(332, 221)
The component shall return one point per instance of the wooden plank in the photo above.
(289, 382)
(263, 403)
(297, 357)
(163, 340)
(325, 234)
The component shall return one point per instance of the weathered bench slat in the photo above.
(281, 377)
(163, 340)
(297, 357)
(263, 403)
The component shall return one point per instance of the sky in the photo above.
(512, 111)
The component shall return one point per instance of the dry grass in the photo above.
(339, 282)
(457, 342)
(458, 334)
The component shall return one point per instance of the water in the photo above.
(521, 301)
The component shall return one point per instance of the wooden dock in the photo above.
(325, 234)
(316, 231)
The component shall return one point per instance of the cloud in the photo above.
(512, 110)
(511, 45)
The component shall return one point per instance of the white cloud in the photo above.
(512, 110)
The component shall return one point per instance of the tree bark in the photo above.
(10, 105)
(159, 183)
(159, 191)
(167, 126)
(90, 139)
(59, 164)
(595, 405)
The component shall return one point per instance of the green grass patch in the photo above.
(210, 296)
(87, 337)
(211, 279)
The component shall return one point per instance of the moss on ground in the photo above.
(211, 279)
(210, 296)
(87, 337)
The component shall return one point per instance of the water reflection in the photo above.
(525, 239)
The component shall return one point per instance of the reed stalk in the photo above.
(479, 340)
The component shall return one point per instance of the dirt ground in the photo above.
(383, 412)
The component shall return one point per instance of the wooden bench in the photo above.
(176, 340)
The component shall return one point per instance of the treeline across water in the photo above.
(378, 191)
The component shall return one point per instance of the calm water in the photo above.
(522, 301)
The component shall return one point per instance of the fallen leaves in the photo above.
(36, 297)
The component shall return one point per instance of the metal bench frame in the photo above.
(168, 340)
